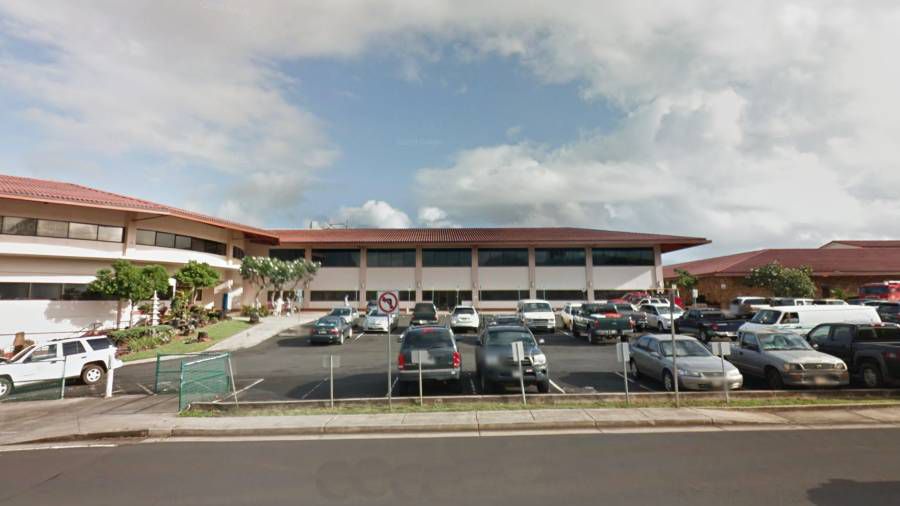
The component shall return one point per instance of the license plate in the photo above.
(529, 370)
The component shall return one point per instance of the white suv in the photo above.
(86, 357)
(465, 317)
(536, 314)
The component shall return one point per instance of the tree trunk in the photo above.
(130, 313)
(118, 313)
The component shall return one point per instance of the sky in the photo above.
(754, 124)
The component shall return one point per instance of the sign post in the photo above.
(417, 357)
(674, 349)
(518, 352)
(723, 349)
(331, 362)
(623, 354)
(388, 302)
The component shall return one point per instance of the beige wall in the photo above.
(502, 278)
(446, 278)
(559, 278)
(623, 278)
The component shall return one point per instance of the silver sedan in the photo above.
(698, 369)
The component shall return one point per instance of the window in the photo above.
(749, 341)
(237, 252)
(287, 253)
(561, 294)
(560, 257)
(623, 256)
(391, 258)
(766, 317)
(182, 242)
(336, 257)
(502, 295)
(165, 240)
(446, 258)
(109, 234)
(75, 292)
(216, 248)
(83, 231)
(820, 334)
(73, 348)
(51, 228)
(146, 237)
(790, 318)
(101, 343)
(19, 226)
(49, 291)
(405, 295)
(503, 257)
(13, 291)
(333, 295)
(44, 353)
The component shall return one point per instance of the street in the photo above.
(824, 468)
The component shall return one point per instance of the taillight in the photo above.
(611, 315)
(890, 355)
(714, 326)
(334, 331)
(457, 360)
(401, 361)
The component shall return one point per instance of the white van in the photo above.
(536, 314)
(801, 319)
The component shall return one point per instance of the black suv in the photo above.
(424, 313)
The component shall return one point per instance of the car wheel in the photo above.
(92, 374)
(704, 336)
(350, 333)
(633, 369)
(668, 381)
(6, 387)
(659, 327)
(774, 379)
(544, 387)
(574, 331)
(871, 375)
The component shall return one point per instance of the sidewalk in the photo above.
(92, 419)
(266, 328)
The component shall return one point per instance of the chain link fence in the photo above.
(194, 377)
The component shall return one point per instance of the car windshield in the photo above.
(754, 301)
(536, 307)
(428, 338)
(507, 337)
(375, 312)
(423, 309)
(782, 342)
(340, 312)
(327, 322)
(889, 309)
(685, 348)
(874, 290)
(766, 317)
(22, 353)
(463, 310)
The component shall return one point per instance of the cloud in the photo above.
(434, 217)
(372, 214)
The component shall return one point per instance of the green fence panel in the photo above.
(168, 369)
(204, 379)
(45, 390)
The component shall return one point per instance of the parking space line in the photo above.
(554, 385)
(393, 385)
(472, 384)
(359, 335)
(145, 389)
(311, 390)
(634, 382)
(239, 392)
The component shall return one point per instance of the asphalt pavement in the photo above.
(819, 467)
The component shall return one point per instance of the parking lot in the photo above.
(288, 366)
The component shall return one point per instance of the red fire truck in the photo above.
(886, 290)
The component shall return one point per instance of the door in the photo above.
(749, 356)
(655, 360)
(818, 337)
(840, 342)
(688, 322)
(44, 364)
(74, 356)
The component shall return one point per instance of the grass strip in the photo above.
(188, 344)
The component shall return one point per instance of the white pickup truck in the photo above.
(86, 357)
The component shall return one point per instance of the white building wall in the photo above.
(446, 278)
(559, 278)
(43, 320)
(502, 278)
(623, 278)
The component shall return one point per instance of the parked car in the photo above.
(370, 306)
(424, 313)
(871, 351)
(790, 301)
(656, 301)
(801, 319)
(465, 317)
(864, 302)
(698, 369)
(745, 306)
(377, 321)
(504, 319)
(708, 323)
(348, 314)
(443, 362)
(87, 358)
(785, 358)
(889, 311)
(638, 318)
(494, 364)
(536, 314)
(331, 329)
(566, 313)
(601, 322)
(659, 316)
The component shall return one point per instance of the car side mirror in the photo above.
(541, 341)
(815, 346)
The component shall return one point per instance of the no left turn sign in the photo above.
(388, 302)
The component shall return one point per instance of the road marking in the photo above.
(142, 387)
(57, 447)
(393, 385)
(472, 384)
(359, 335)
(635, 382)
(315, 387)
(554, 385)
(235, 394)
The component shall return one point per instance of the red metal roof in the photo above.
(41, 190)
(865, 244)
(830, 262)
(450, 236)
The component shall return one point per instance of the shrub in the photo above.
(161, 333)
(147, 342)
(248, 310)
